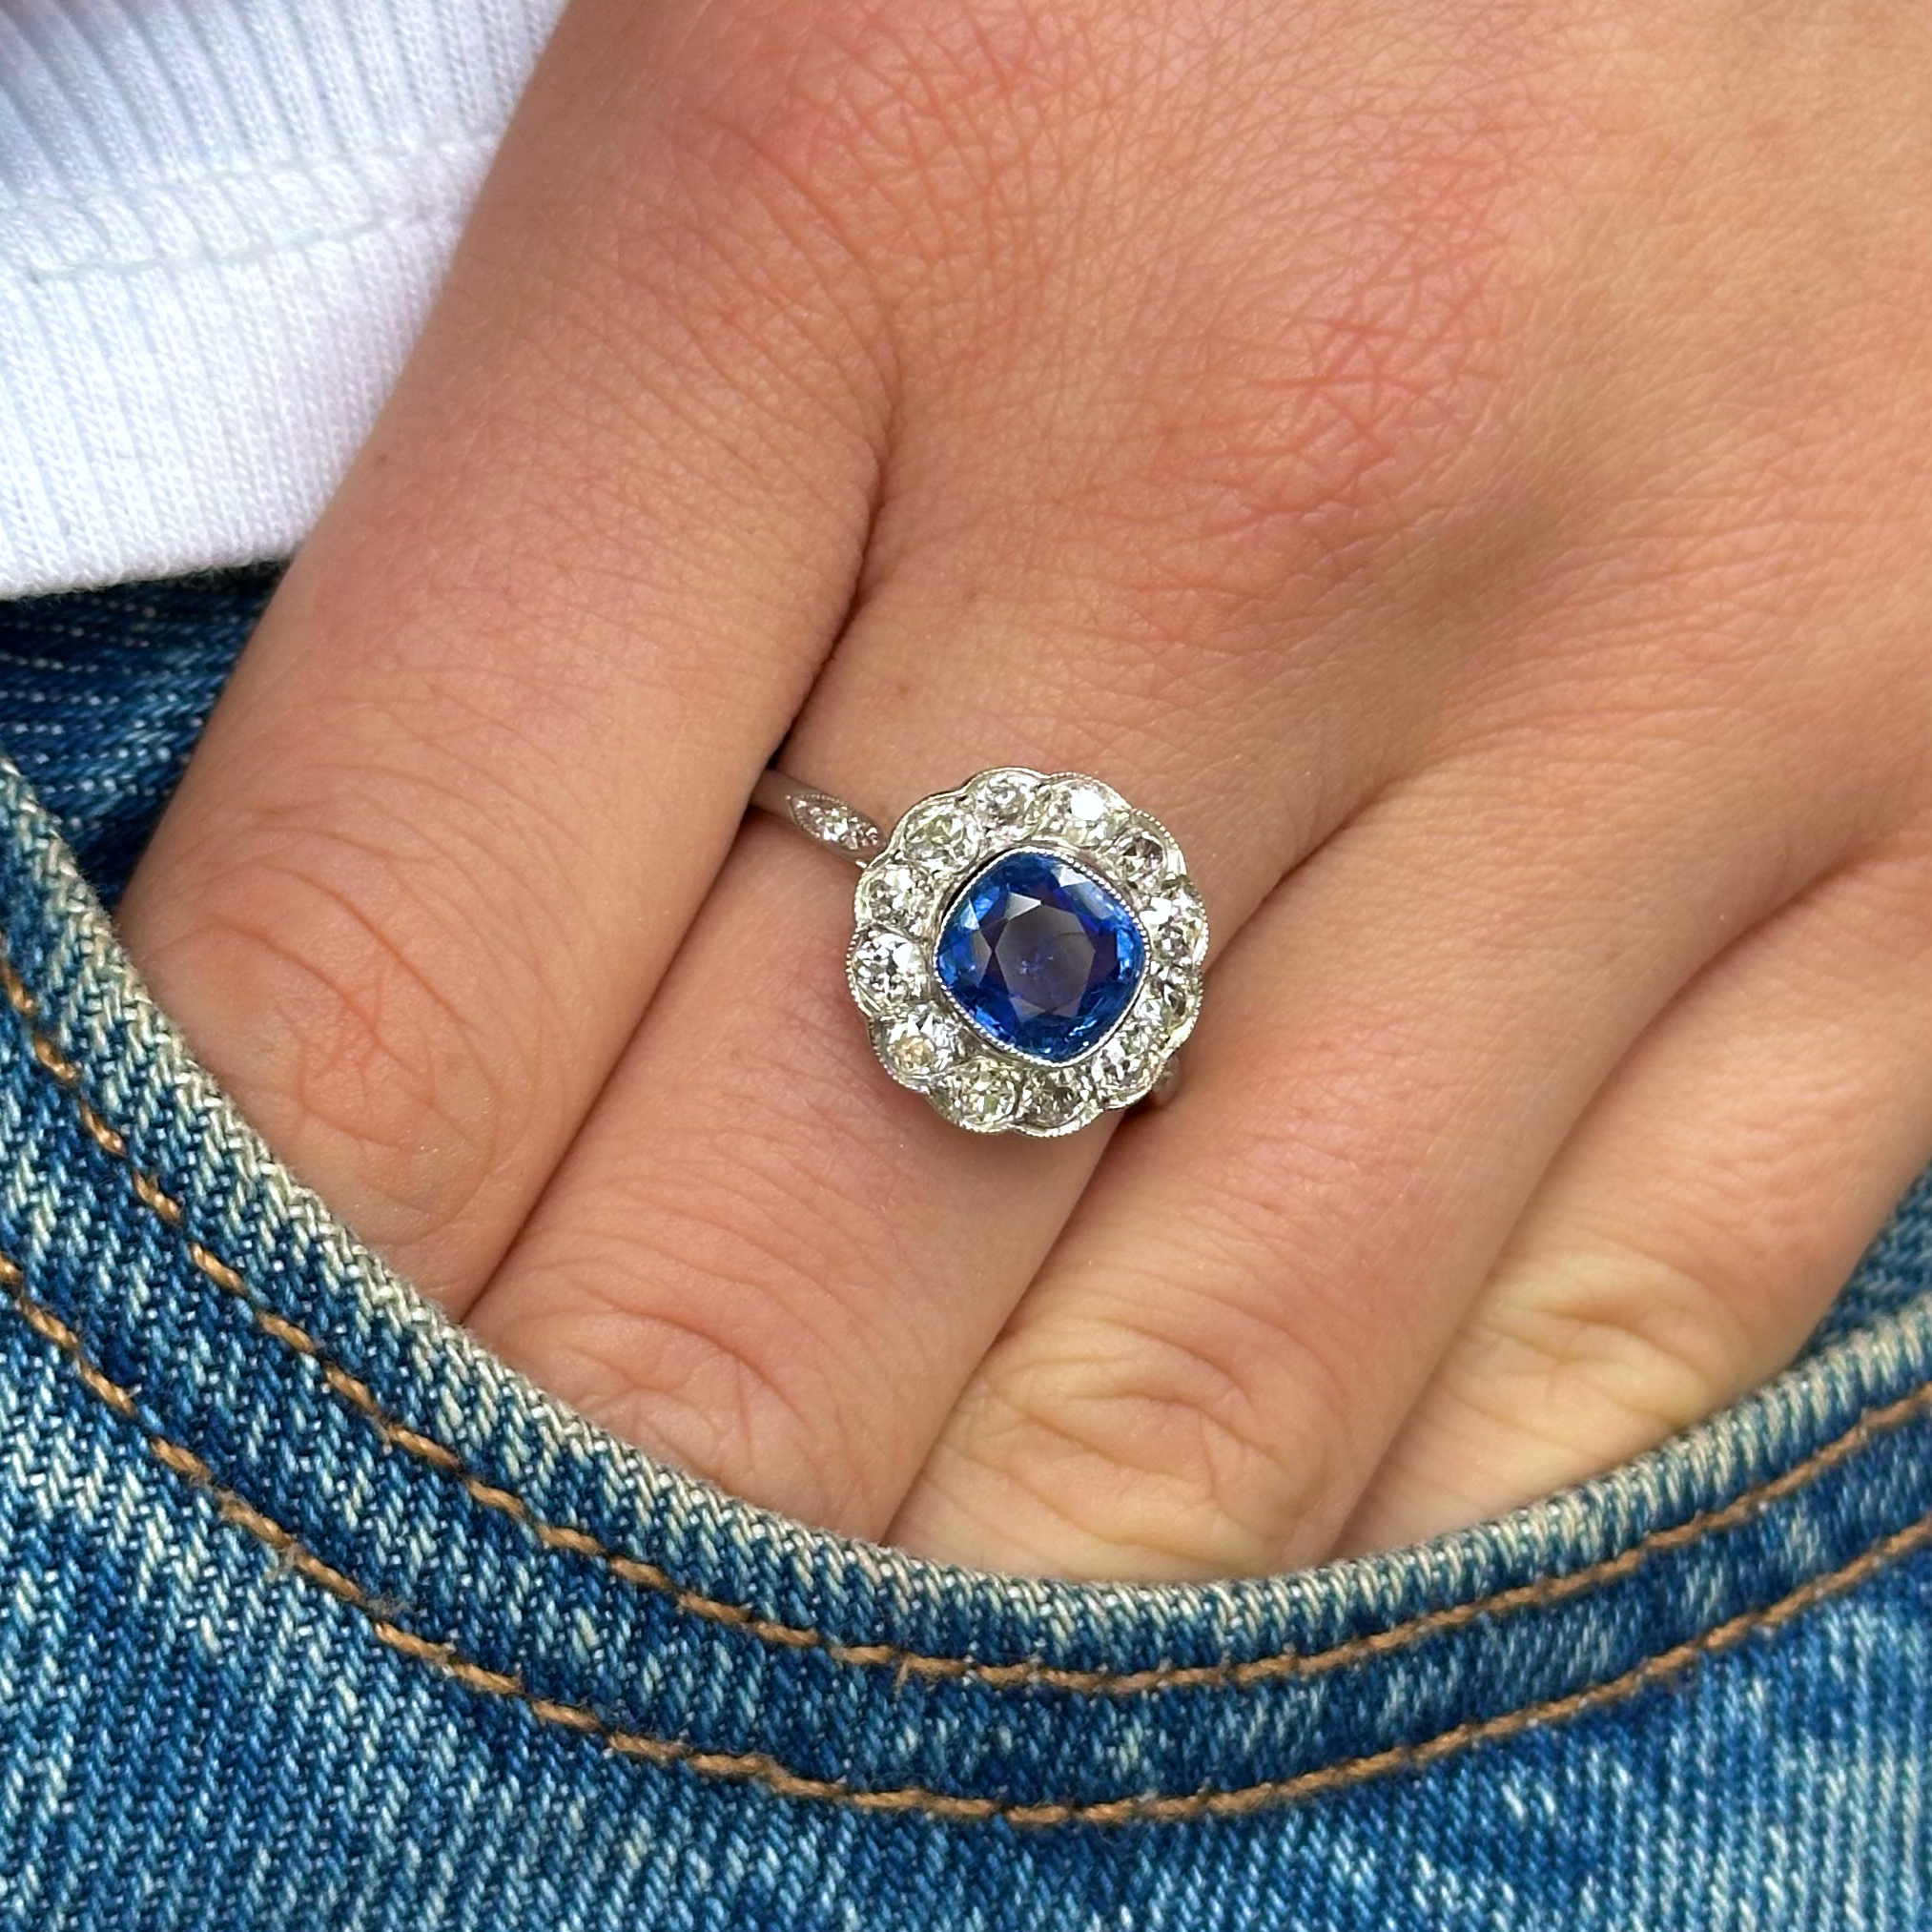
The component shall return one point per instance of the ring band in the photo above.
(1028, 947)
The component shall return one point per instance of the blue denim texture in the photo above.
(313, 1615)
(103, 696)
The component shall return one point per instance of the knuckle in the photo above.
(1568, 1365)
(1617, 1343)
(334, 1004)
(1153, 1451)
(685, 1382)
(711, 1347)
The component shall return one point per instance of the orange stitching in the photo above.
(759, 1768)
(107, 1137)
(1284, 1665)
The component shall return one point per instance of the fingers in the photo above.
(1263, 1275)
(497, 729)
(1700, 1218)
(763, 1259)
(794, 1266)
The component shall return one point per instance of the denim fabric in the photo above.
(313, 1615)
(102, 698)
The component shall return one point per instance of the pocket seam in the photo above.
(757, 1767)
(1542, 1592)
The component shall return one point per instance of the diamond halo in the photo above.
(1123, 896)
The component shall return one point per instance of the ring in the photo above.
(1028, 946)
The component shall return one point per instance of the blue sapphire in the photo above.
(1040, 956)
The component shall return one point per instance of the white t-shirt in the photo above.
(220, 224)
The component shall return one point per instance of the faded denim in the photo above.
(312, 1615)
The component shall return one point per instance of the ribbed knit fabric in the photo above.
(220, 224)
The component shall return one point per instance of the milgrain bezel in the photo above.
(928, 1043)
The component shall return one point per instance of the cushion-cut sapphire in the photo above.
(1040, 955)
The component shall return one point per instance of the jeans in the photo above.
(315, 1616)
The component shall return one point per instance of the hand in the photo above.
(1464, 468)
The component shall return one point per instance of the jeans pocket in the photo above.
(318, 1615)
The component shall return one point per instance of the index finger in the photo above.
(493, 738)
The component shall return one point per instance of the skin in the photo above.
(1464, 468)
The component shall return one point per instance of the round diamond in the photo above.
(895, 895)
(1140, 856)
(1004, 800)
(1177, 926)
(886, 970)
(940, 834)
(919, 1045)
(1126, 1067)
(1082, 811)
(1177, 999)
(1055, 1103)
(982, 1093)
